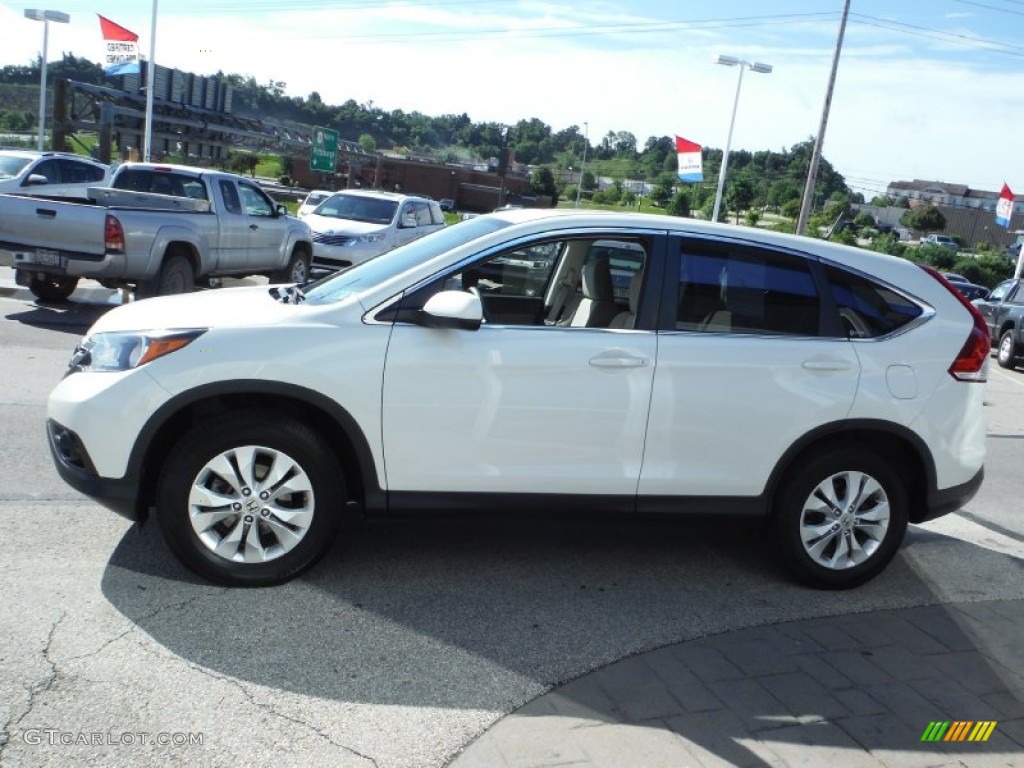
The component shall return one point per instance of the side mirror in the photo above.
(453, 309)
(36, 180)
(408, 222)
(281, 210)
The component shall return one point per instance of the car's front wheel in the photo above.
(841, 517)
(251, 498)
(1006, 354)
(297, 270)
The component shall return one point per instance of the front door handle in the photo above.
(617, 360)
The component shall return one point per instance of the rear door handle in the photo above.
(254, 226)
(46, 213)
(827, 365)
(617, 360)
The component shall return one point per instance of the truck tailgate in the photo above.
(43, 230)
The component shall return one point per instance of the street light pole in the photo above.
(753, 66)
(583, 164)
(147, 146)
(46, 17)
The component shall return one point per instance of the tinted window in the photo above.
(230, 195)
(161, 183)
(74, 172)
(868, 309)
(735, 289)
(49, 169)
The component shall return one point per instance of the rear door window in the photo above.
(868, 309)
(734, 288)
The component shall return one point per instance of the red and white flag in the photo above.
(690, 167)
(1004, 208)
(121, 54)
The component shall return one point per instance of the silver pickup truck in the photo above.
(158, 229)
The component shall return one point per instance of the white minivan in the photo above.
(352, 226)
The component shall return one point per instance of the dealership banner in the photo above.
(1004, 208)
(690, 168)
(121, 49)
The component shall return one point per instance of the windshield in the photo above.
(315, 198)
(388, 265)
(12, 166)
(358, 208)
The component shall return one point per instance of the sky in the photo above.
(926, 89)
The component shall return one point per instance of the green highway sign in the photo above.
(324, 154)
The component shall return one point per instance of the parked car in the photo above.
(1013, 250)
(829, 391)
(943, 240)
(953, 277)
(447, 204)
(157, 229)
(50, 174)
(355, 225)
(312, 200)
(971, 291)
(1003, 310)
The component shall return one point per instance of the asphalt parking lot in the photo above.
(409, 640)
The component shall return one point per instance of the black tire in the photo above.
(297, 270)
(801, 508)
(248, 524)
(176, 276)
(1006, 353)
(53, 288)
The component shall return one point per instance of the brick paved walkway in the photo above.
(847, 691)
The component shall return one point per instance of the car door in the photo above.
(743, 369)
(266, 228)
(233, 252)
(520, 405)
(995, 306)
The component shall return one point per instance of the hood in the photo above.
(223, 307)
(328, 225)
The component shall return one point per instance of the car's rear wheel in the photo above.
(841, 517)
(1007, 352)
(251, 498)
(53, 288)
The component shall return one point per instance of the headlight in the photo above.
(123, 351)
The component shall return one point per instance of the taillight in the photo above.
(970, 363)
(113, 234)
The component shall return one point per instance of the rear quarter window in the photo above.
(868, 309)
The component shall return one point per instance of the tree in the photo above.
(791, 208)
(543, 183)
(882, 201)
(740, 195)
(924, 218)
(679, 205)
(367, 142)
(588, 182)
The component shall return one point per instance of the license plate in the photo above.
(47, 258)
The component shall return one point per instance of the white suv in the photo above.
(352, 226)
(494, 367)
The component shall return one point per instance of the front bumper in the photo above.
(75, 467)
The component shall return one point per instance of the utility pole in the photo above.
(812, 172)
